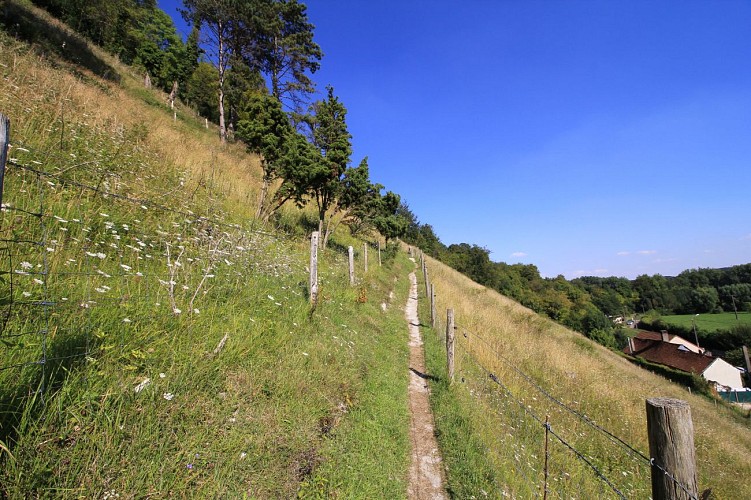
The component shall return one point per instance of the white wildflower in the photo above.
(142, 385)
(126, 320)
(26, 265)
(168, 396)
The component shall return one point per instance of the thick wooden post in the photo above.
(671, 446)
(365, 255)
(4, 140)
(313, 287)
(351, 252)
(450, 343)
(432, 306)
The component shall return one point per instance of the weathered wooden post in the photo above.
(450, 343)
(4, 140)
(671, 448)
(365, 255)
(432, 306)
(351, 252)
(313, 287)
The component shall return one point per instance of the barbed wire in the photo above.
(653, 463)
(632, 451)
(34, 205)
(140, 201)
(527, 410)
(543, 423)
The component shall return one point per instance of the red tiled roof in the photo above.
(670, 355)
(645, 335)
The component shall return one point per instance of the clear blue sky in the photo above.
(585, 137)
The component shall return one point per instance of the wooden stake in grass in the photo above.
(365, 255)
(313, 284)
(671, 446)
(432, 306)
(450, 343)
(4, 140)
(351, 252)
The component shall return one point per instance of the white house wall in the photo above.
(723, 373)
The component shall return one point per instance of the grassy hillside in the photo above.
(158, 342)
(155, 340)
(544, 370)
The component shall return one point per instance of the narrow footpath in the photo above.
(426, 478)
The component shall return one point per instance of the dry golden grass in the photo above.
(34, 82)
(585, 376)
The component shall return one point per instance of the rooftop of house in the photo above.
(672, 355)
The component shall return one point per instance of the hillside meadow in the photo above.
(157, 341)
(546, 370)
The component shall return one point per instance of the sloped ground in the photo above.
(426, 479)
(157, 342)
(496, 428)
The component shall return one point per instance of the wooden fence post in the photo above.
(432, 306)
(671, 448)
(450, 343)
(351, 252)
(4, 140)
(313, 287)
(365, 255)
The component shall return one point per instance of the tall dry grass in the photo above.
(503, 335)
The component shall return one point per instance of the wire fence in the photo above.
(85, 267)
(544, 447)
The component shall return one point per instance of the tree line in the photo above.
(248, 66)
(590, 304)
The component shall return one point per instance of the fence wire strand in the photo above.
(527, 411)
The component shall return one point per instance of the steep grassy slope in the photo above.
(155, 340)
(533, 358)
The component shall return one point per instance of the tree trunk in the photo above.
(262, 201)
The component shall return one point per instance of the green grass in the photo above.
(709, 322)
(296, 402)
(469, 470)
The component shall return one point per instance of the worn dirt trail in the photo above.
(426, 478)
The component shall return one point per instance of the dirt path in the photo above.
(426, 479)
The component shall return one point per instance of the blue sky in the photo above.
(608, 138)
